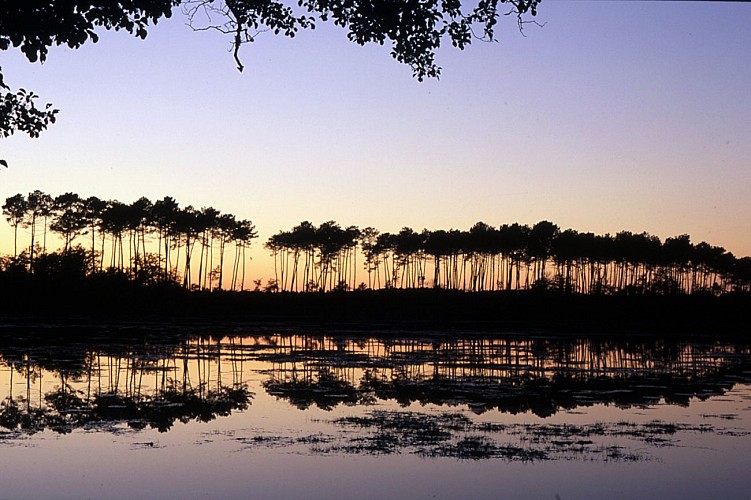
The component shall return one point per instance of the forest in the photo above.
(152, 243)
(146, 242)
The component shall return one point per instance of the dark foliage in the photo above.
(510, 257)
(521, 275)
(414, 29)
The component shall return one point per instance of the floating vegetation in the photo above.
(265, 441)
(315, 442)
(480, 447)
(617, 453)
(146, 445)
(456, 435)
(723, 416)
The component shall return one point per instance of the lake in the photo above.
(157, 412)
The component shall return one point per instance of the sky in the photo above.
(613, 115)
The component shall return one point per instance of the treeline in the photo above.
(202, 249)
(509, 257)
(149, 242)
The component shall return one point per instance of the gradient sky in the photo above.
(613, 116)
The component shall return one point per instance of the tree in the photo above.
(70, 218)
(163, 214)
(368, 238)
(188, 225)
(208, 222)
(14, 211)
(226, 224)
(415, 29)
(35, 25)
(243, 233)
(114, 221)
(46, 206)
(19, 112)
(139, 213)
(38, 204)
(541, 244)
(93, 208)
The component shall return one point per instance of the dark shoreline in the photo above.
(389, 311)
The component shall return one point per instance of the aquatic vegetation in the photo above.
(457, 435)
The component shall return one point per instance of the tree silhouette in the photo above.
(676, 255)
(115, 219)
(540, 245)
(69, 218)
(14, 211)
(325, 258)
(329, 252)
(226, 225)
(93, 208)
(242, 235)
(436, 244)
(741, 275)
(368, 238)
(208, 223)
(19, 111)
(163, 216)
(139, 214)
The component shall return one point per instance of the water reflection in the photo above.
(160, 380)
(512, 375)
(224, 415)
(64, 385)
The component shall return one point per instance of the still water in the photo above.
(231, 414)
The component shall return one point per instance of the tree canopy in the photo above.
(415, 29)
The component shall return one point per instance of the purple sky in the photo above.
(613, 116)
